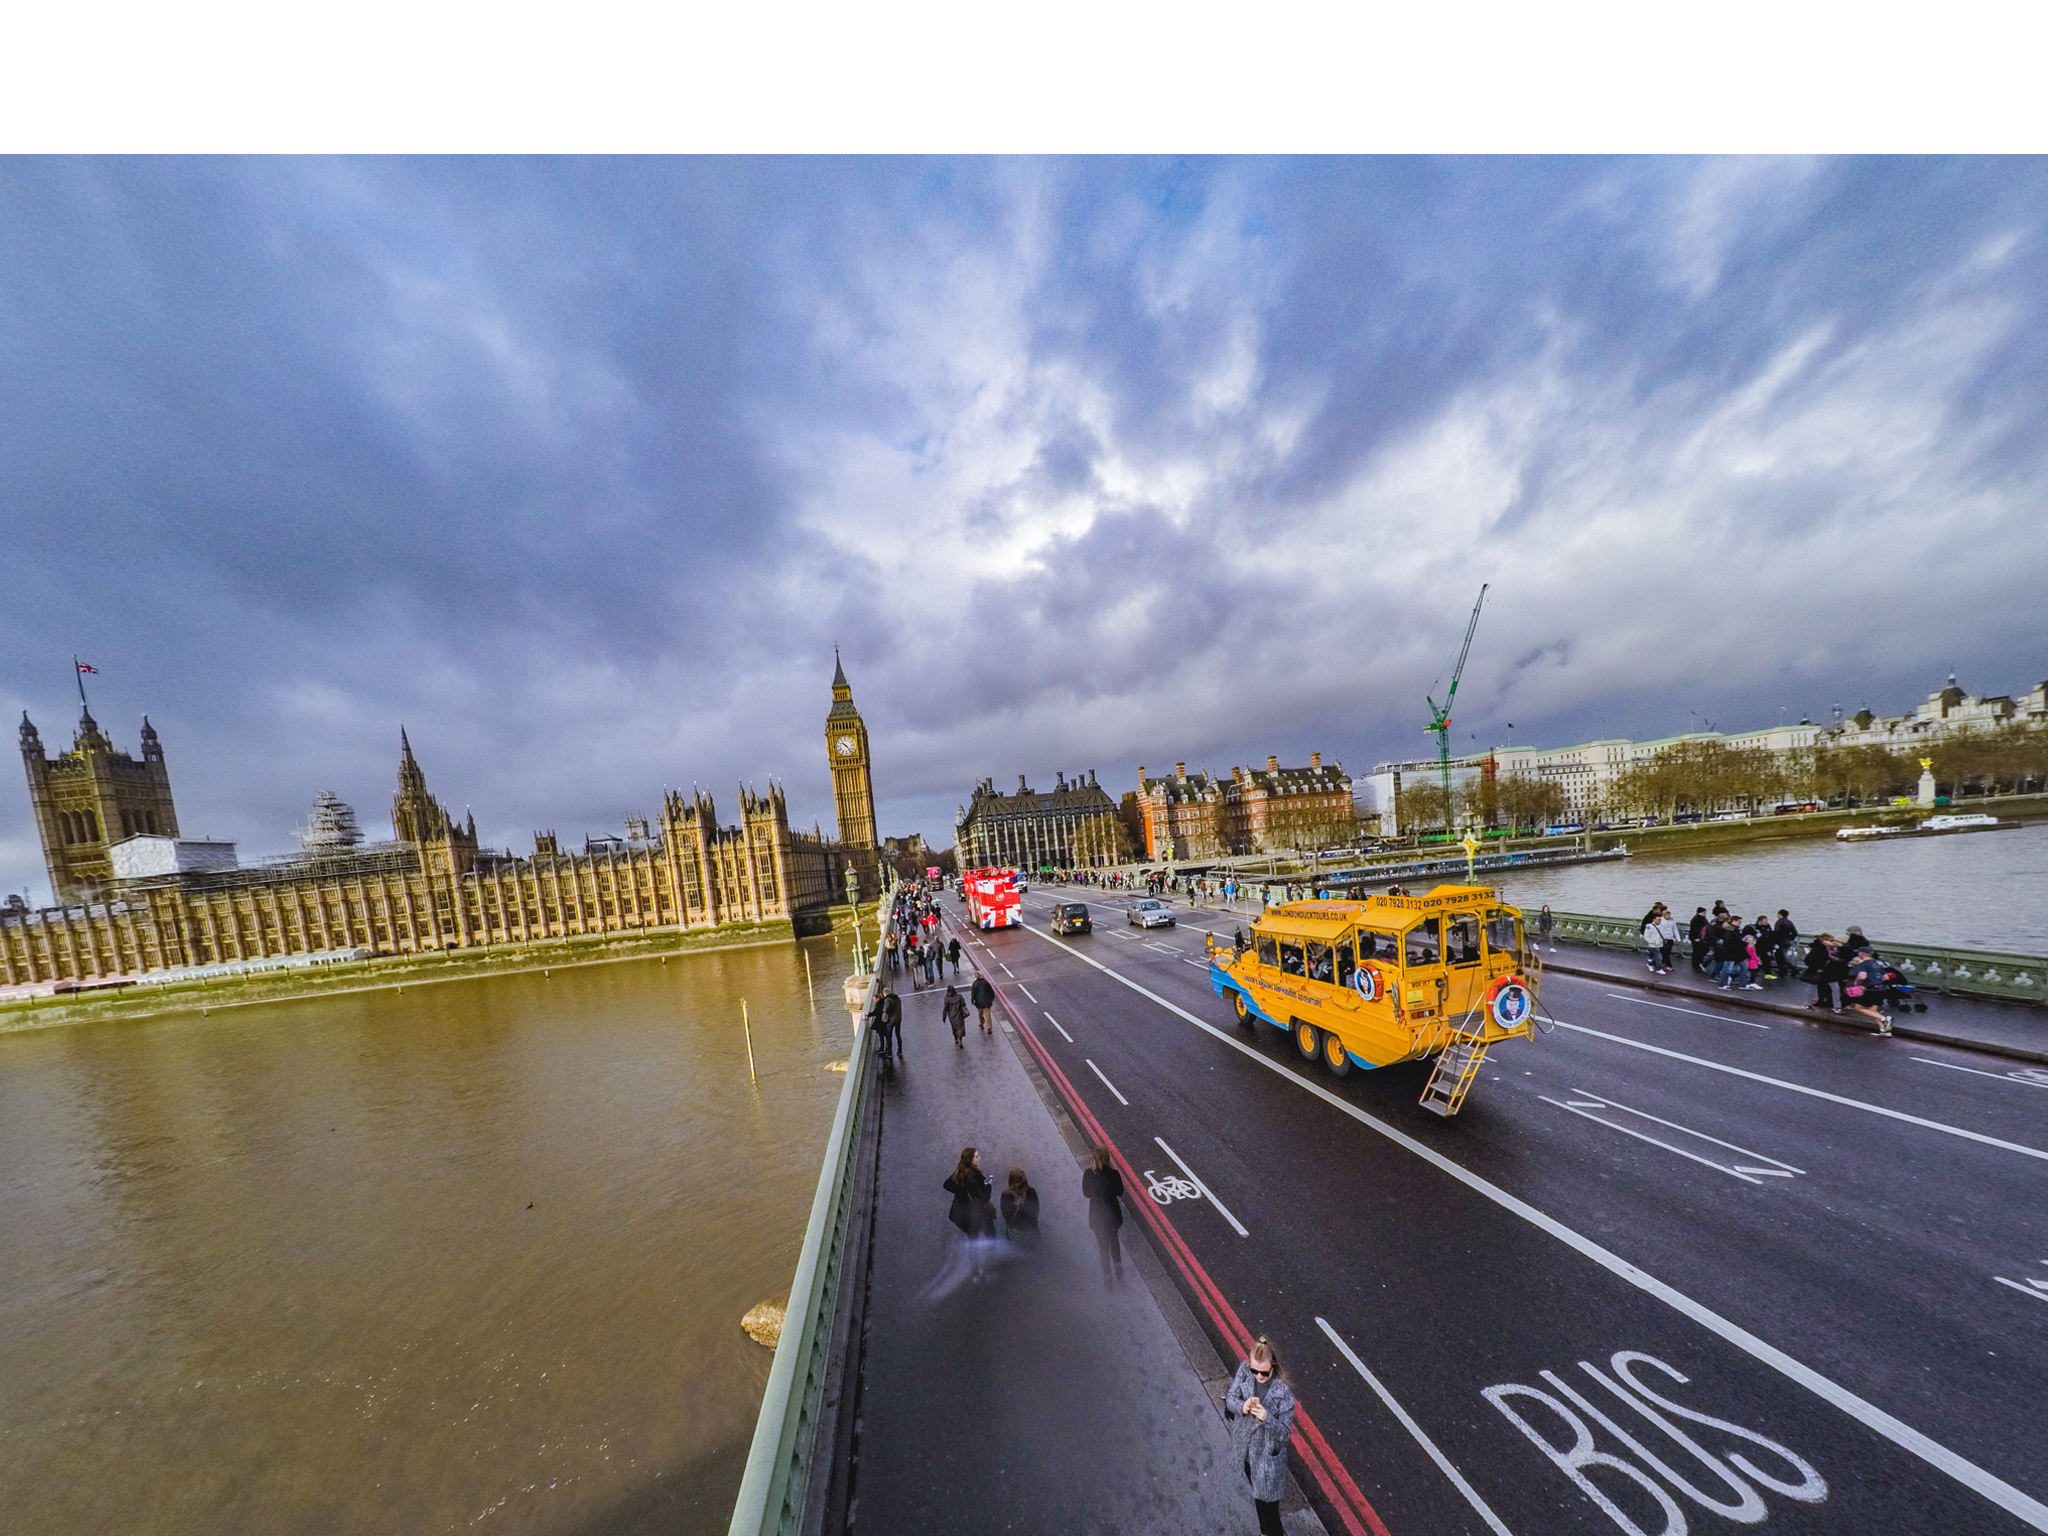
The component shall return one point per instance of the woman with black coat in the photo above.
(972, 1211)
(1824, 968)
(1103, 1184)
(1020, 1210)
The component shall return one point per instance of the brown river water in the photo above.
(469, 1258)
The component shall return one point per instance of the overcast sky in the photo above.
(578, 469)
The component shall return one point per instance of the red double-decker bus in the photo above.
(992, 899)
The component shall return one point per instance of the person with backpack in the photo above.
(1697, 931)
(983, 996)
(1863, 989)
(889, 1022)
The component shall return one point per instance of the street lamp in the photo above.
(860, 954)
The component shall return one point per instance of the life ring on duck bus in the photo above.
(1509, 1002)
(1368, 981)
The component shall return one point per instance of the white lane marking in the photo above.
(1718, 1018)
(1986, 1484)
(1443, 1462)
(2003, 1077)
(1208, 1194)
(1198, 964)
(1701, 1135)
(1007, 971)
(1814, 1093)
(1055, 1023)
(1025, 990)
(1653, 1141)
(2038, 1289)
(1107, 1083)
(1781, 1171)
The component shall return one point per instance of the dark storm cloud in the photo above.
(579, 468)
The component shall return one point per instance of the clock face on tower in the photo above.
(845, 746)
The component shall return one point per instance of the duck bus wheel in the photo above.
(1335, 1057)
(1307, 1040)
(1244, 1010)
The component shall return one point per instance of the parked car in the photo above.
(1071, 917)
(1151, 913)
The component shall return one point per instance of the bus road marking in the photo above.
(1024, 989)
(1055, 1023)
(1007, 971)
(1985, 1484)
(1105, 1081)
(1718, 1018)
(2030, 1077)
(1208, 1194)
(1805, 1485)
(1588, 1101)
(1443, 1462)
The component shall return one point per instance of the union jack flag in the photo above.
(84, 668)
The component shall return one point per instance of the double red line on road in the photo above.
(1342, 1492)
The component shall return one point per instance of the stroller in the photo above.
(1895, 994)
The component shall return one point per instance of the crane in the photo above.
(1440, 715)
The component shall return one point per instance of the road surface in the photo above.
(1671, 1269)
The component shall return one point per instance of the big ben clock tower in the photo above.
(853, 789)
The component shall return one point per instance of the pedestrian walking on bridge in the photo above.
(1103, 1184)
(983, 996)
(954, 1011)
(1260, 1411)
(953, 954)
(889, 1021)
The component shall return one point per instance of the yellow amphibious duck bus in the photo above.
(1388, 979)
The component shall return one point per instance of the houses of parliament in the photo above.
(133, 897)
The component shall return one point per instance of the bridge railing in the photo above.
(782, 1460)
(1956, 972)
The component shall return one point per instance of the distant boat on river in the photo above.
(1933, 826)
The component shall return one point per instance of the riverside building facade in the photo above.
(1586, 772)
(151, 901)
(1199, 816)
(1070, 826)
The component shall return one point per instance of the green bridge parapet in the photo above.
(1953, 972)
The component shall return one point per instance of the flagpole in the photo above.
(78, 672)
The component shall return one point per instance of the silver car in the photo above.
(1151, 914)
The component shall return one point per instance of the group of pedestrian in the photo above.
(974, 1210)
(1741, 956)
(1852, 965)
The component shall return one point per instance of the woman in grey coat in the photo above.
(1260, 1411)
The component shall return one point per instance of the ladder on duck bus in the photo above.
(1457, 1065)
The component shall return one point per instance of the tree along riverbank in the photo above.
(148, 999)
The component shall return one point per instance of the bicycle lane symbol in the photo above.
(1169, 1189)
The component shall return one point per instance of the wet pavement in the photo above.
(1033, 1398)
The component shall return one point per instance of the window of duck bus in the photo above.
(1383, 948)
(1504, 935)
(1461, 939)
(1269, 955)
(1291, 959)
(1421, 945)
(1321, 963)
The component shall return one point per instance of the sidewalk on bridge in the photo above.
(1036, 1399)
(2003, 1029)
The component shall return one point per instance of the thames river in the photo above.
(1978, 890)
(468, 1258)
